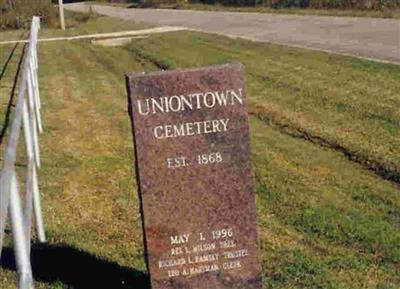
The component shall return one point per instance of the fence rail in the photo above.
(27, 116)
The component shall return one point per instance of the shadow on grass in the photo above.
(14, 85)
(77, 269)
(10, 104)
(7, 62)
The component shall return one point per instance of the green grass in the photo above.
(78, 24)
(10, 57)
(327, 219)
(317, 96)
(317, 234)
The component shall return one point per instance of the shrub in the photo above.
(355, 4)
(337, 4)
(15, 14)
(321, 4)
(159, 3)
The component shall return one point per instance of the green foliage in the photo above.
(277, 4)
(337, 4)
(15, 14)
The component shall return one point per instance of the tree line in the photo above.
(316, 4)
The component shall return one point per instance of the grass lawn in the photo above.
(325, 134)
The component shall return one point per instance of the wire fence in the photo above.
(27, 117)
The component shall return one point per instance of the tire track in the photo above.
(390, 171)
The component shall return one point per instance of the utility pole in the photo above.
(61, 8)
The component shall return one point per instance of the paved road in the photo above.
(364, 37)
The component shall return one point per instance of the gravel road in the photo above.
(373, 38)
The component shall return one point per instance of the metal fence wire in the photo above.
(21, 210)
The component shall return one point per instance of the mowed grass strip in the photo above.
(11, 57)
(325, 221)
(87, 181)
(336, 225)
(90, 23)
(347, 104)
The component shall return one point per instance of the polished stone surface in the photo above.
(195, 178)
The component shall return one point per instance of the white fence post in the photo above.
(38, 208)
(61, 11)
(33, 119)
(27, 114)
(21, 251)
(27, 131)
(35, 97)
(29, 179)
